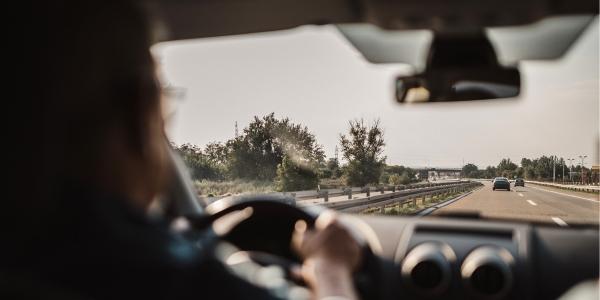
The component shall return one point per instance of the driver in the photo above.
(85, 234)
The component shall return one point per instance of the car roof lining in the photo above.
(188, 19)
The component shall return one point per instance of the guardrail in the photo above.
(310, 194)
(400, 197)
(582, 188)
(349, 191)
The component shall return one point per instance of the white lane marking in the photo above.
(559, 221)
(532, 203)
(520, 195)
(578, 197)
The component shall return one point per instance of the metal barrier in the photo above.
(400, 197)
(581, 188)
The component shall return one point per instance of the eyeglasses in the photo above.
(172, 96)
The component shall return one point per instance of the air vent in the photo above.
(487, 272)
(488, 279)
(426, 268)
(427, 274)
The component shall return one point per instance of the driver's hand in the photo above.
(331, 254)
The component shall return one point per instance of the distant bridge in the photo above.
(435, 173)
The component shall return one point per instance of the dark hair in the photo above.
(101, 86)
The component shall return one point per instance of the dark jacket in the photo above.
(96, 246)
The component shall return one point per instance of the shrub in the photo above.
(218, 188)
(293, 176)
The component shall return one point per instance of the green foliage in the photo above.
(506, 168)
(520, 172)
(292, 176)
(490, 172)
(217, 188)
(276, 154)
(534, 169)
(470, 171)
(333, 167)
(217, 153)
(331, 183)
(258, 152)
(362, 147)
(200, 165)
(542, 168)
(396, 175)
(394, 179)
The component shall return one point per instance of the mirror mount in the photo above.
(460, 67)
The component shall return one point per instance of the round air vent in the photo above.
(427, 268)
(487, 272)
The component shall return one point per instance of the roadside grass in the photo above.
(219, 188)
(566, 188)
(410, 208)
(239, 186)
(331, 182)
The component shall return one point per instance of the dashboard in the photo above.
(470, 259)
(439, 257)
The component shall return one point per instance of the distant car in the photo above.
(501, 183)
(520, 182)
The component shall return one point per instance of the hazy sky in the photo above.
(314, 77)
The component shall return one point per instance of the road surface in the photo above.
(531, 203)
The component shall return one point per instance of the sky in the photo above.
(315, 77)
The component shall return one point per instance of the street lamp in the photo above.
(562, 162)
(582, 158)
(571, 170)
(553, 168)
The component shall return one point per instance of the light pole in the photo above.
(562, 162)
(582, 158)
(571, 170)
(553, 169)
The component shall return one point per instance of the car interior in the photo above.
(451, 257)
(467, 51)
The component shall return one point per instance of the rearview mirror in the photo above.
(460, 69)
(459, 85)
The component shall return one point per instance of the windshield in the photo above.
(302, 113)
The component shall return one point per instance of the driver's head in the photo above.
(103, 123)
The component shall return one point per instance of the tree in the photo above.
(520, 172)
(396, 175)
(294, 177)
(258, 152)
(217, 153)
(405, 178)
(529, 172)
(490, 172)
(506, 168)
(394, 179)
(470, 171)
(333, 168)
(526, 162)
(363, 148)
(543, 167)
(201, 167)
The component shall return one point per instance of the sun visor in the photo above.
(381, 46)
(549, 38)
(544, 40)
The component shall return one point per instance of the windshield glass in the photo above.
(302, 112)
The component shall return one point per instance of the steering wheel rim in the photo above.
(228, 205)
(266, 223)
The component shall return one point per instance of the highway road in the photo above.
(531, 203)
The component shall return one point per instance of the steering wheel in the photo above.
(264, 233)
(267, 226)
